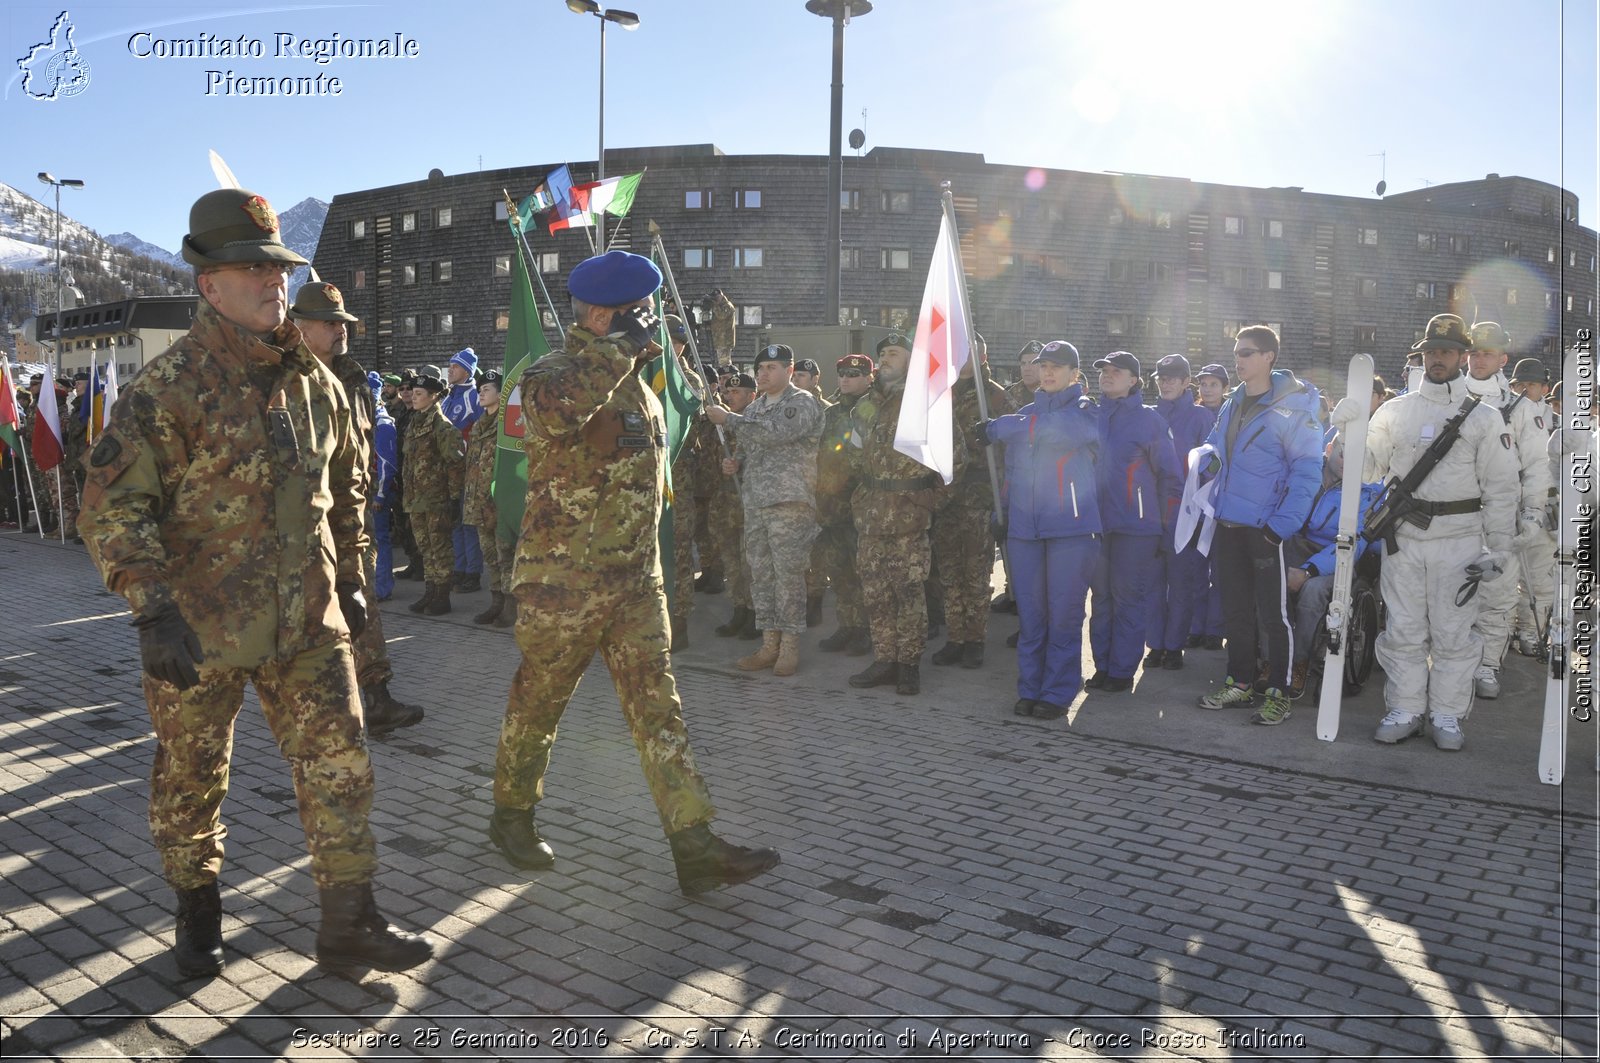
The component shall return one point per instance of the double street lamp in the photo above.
(59, 183)
(628, 21)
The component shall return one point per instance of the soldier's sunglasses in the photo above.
(852, 372)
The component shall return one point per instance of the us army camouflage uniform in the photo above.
(229, 484)
(837, 478)
(435, 464)
(478, 507)
(891, 507)
(963, 537)
(777, 439)
(588, 574)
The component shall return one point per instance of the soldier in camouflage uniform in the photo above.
(835, 555)
(597, 462)
(707, 447)
(226, 494)
(478, 505)
(1020, 391)
(777, 436)
(319, 313)
(726, 518)
(724, 329)
(963, 528)
(892, 507)
(435, 464)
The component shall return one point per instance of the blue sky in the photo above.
(1253, 92)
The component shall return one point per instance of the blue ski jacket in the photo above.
(1137, 469)
(1272, 470)
(1322, 527)
(461, 406)
(1190, 423)
(1051, 447)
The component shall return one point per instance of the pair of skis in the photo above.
(1358, 385)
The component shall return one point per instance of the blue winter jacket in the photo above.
(461, 407)
(1137, 469)
(1190, 423)
(1051, 446)
(1271, 473)
(1322, 527)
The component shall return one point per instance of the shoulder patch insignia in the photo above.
(106, 451)
(1282, 412)
(789, 412)
(1539, 421)
(1505, 440)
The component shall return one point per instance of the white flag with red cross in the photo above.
(942, 346)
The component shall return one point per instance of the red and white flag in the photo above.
(47, 453)
(926, 432)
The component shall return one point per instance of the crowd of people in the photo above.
(249, 489)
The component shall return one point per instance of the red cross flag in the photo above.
(942, 346)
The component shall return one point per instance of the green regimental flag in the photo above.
(680, 404)
(525, 344)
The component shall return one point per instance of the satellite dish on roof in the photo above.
(857, 138)
(436, 174)
(1383, 186)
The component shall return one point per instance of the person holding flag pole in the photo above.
(48, 453)
(11, 436)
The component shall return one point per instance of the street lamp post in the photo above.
(841, 12)
(628, 21)
(67, 182)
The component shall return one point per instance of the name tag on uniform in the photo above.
(1427, 434)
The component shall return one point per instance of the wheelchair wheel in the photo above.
(1363, 637)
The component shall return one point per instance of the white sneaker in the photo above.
(1487, 682)
(1398, 726)
(1446, 731)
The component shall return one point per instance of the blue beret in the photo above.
(615, 278)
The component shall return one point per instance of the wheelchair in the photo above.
(1361, 637)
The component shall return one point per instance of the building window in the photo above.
(1232, 225)
(1160, 272)
(1367, 237)
(697, 199)
(895, 317)
(550, 262)
(851, 315)
(1427, 241)
(697, 258)
(502, 265)
(850, 199)
(444, 217)
(1511, 297)
(1162, 219)
(1230, 329)
(1117, 216)
(408, 222)
(747, 258)
(499, 210)
(1008, 208)
(1054, 213)
(359, 279)
(408, 274)
(1366, 336)
(894, 258)
(548, 319)
(444, 324)
(502, 320)
(408, 324)
(1233, 276)
(1460, 244)
(849, 258)
(1055, 322)
(1572, 258)
(747, 199)
(1116, 324)
(1272, 229)
(1158, 327)
(1275, 279)
(896, 202)
(358, 229)
(1054, 265)
(1569, 304)
(442, 272)
(1425, 289)
(1550, 255)
(750, 315)
(1366, 287)
(1549, 300)
(1006, 260)
(1119, 269)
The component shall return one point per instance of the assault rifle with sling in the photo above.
(1398, 502)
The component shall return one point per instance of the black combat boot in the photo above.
(412, 571)
(385, 714)
(197, 939)
(422, 603)
(706, 862)
(709, 583)
(950, 654)
(908, 679)
(508, 612)
(470, 582)
(513, 832)
(877, 674)
(836, 641)
(814, 610)
(749, 632)
(860, 643)
(736, 622)
(497, 602)
(680, 633)
(972, 655)
(440, 604)
(354, 934)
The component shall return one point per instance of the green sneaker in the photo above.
(1229, 695)
(1275, 708)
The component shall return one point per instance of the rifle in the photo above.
(1398, 502)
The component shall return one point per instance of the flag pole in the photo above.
(980, 375)
(61, 506)
(511, 211)
(33, 493)
(704, 393)
(16, 488)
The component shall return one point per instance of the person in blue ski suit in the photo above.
(386, 458)
(1178, 587)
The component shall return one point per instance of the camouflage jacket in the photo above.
(778, 448)
(836, 465)
(481, 438)
(596, 439)
(1019, 394)
(435, 461)
(971, 487)
(896, 495)
(353, 379)
(229, 482)
(723, 327)
(709, 450)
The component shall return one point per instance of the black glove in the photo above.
(980, 434)
(169, 649)
(638, 326)
(353, 604)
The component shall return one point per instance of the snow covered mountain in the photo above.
(146, 248)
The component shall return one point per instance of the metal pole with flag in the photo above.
(108, 391)
(525, 344)
(47, 442)
(659, 249)
(11, 435)
(521, 216)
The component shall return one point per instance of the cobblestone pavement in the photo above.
(1141, 880)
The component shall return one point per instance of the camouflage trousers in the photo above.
(59, 498)
(433, 534)
(963, 556)
(311, 705)
(497, 555)
(683, 514)
(777, 543)
(727, 526)
(558, 630)
(370, 648)
(893, 570)
(705, 543)
(836, 559)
